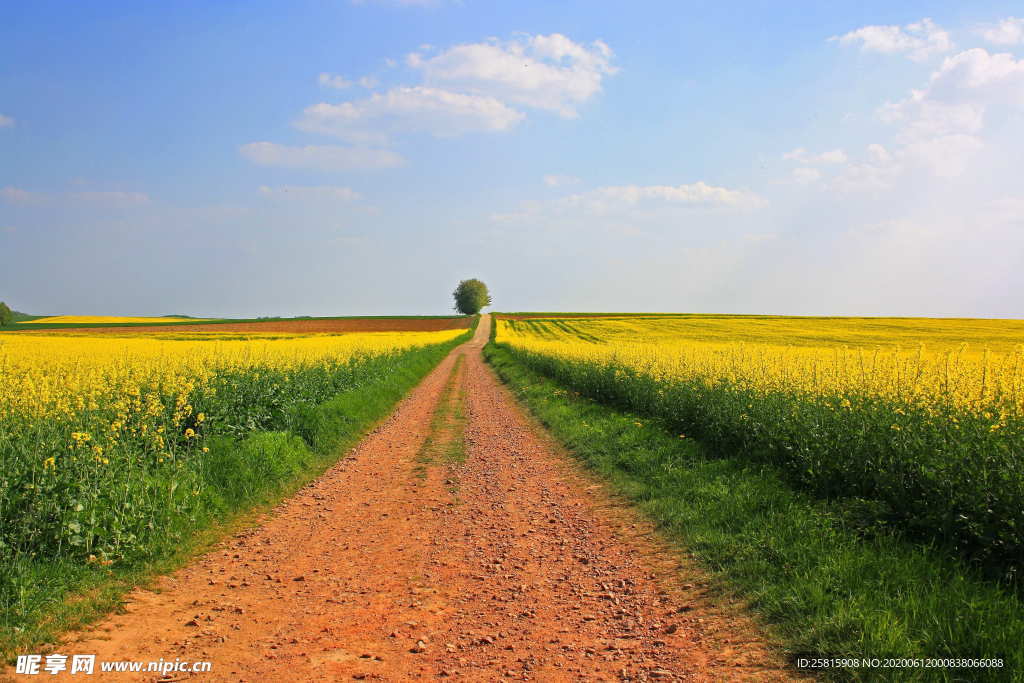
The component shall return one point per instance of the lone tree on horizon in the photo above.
(471, 296)
(6, 315)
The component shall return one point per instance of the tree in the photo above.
(6, 315)
(471, 296)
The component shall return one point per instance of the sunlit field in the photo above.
(922, 419)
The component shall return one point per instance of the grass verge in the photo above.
(444, 441)
(824, 587)
(243, 476)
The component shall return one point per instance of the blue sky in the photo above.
(332, 157)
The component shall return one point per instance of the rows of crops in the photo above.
(106, 441)
(901, 419)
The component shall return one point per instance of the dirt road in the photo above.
(454, 541)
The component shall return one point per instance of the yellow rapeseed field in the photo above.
(976, 364)
(56, 376)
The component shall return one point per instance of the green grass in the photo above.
(267, 445)
(824, 583)
(444, 440)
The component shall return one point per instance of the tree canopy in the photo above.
(6, 315)
(471, 296)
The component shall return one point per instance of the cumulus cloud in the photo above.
(835, 156)
(375, 119)
(468, 88)
(942, 123)
(919, 41)
(561, 180)
(310, 193)
(328, 80)
(333, 81)
(6, 121)
(320, 157)
(1009, 31)
(543, 72)
(879, 154)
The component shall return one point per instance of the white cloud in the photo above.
(696, 194)
(946, 156)
(338, 82)
(976, 72)
(881, 174)
(441, 113)
(835, 156)
(310, 193)
(6, 121)
(543, 72)
(1009, 31)
(561, 180)
(320, 157)
(942, 126)
(334, 81)
(919, 41)
(879, 154)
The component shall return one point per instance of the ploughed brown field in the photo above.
(329, 325)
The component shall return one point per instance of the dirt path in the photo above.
(455, 541)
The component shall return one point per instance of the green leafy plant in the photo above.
(471, 296)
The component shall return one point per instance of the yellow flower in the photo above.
(201, 417)
(189, 433)
(50, 464)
